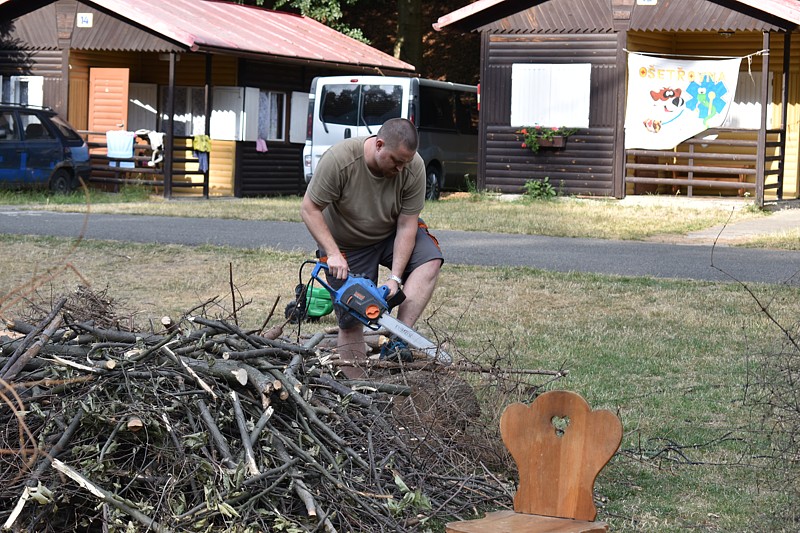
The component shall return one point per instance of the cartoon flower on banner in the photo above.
(707, 98)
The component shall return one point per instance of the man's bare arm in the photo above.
(311, 213)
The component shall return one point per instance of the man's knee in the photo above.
(429, 269)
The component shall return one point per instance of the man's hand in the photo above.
(337, 266)
(393, 287)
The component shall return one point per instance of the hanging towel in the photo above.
(261, 145)
(156, 140)
(202, 160)
(201, 143)
(120, 146)
(157, 145)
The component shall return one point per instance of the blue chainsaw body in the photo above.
(370, 304)
(359, 296)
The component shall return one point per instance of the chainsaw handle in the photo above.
(315, 275)
(398, 298)
(383, 289)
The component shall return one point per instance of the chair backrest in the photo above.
(560, 445)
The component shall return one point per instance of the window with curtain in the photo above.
(272, 116)
(189, 116)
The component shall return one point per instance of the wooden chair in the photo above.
(559, 445)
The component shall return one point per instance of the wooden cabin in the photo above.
(568, 61)
(238, 74)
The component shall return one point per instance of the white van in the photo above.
(446, 115)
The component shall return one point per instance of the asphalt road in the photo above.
(623, 258)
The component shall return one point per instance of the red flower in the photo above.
(523, 131)
(524, 145)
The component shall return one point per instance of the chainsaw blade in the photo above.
(414, 339)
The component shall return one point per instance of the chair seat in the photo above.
(513, 522)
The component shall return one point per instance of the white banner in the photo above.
(671, 100)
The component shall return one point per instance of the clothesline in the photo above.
(696, 56)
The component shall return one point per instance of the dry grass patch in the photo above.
(577, 217)
(153, 280)
(785, 240)
(561, 217)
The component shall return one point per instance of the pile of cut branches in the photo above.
(201, 425)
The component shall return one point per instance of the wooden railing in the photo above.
(142, 172)
(719, 164)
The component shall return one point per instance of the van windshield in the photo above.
(357, 105)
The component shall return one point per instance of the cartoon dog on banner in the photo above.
(666, 103)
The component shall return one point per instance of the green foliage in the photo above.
(540, 189)
(328, 12)
(475, 195)
(413, 499)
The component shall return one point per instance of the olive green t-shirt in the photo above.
(362, 209)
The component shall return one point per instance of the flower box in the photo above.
(535, 137)
(559, 141)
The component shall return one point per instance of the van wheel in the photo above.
(432, 183)
(61, 182)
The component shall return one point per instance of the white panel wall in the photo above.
(550, 94)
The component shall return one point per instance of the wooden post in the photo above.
(483, 128)
(169, 140)
(618, 185)
(209, 105)
(761, 150)
(787, 52)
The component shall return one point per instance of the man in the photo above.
(362, 208)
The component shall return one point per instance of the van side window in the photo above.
(467, 113)
(437, 109)
(381, 102)
(339, 104)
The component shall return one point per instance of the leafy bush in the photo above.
(540, 189)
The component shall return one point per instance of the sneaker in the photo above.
(396, 350)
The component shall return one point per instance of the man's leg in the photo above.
(350, 343)
(418, 289)
(350, 339)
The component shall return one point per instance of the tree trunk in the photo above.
(408, 46)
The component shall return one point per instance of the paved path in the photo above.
(626, 258)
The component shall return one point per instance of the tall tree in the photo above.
(446, 55)
(329, 12)
(402, 28)
(408, 41)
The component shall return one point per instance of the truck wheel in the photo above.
(432, 183)
(61, 182)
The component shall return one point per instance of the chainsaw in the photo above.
(368, 303)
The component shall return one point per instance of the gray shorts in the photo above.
(364, 262)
